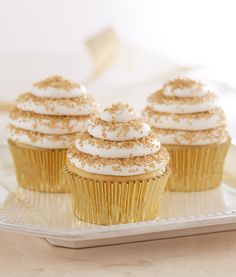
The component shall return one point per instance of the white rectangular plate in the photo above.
(51, 216)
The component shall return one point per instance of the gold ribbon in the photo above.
(103, 49)
(5, 106)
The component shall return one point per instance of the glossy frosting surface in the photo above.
(184, 112)
(118, 143)
(51, 114)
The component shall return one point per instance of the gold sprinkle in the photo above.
(35, 136)
(57, 82)
(118, 107)
(50, 103)
(192, 137)
(159, 116)
(122, 128)
(146, 142)
(181, 82)
(162, 157)
(51, 121)
(159, 97)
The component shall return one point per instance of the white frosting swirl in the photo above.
(50, 116)
(117, 132)
(196, 90)
(124, 114)
(48, 125)
(124, 170)
(200, 137)
(114, 149)
(39, 139)
(118, 123)
(49, 106)
(51, 92)
(185, 107)
(118, 144)
(192, 122)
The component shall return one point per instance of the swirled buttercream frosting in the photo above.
(184, 112)
(51, 113)
(118, 143)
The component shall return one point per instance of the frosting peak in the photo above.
(118, 122)
(118, 112)
(58, 87)
(184, 87)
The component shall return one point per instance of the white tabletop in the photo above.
(205, 255)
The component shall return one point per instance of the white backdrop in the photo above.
(44, 37)
(188, 30)
(192, 32)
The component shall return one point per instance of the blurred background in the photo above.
(118, 48)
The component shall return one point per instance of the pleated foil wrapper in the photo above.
(116, 202)
(39, 169)
(196, 168)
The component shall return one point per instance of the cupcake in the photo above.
(42, 125)
(187, 119)
(117, 169)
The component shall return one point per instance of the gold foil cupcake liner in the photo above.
(39, 169)
(112, 202)
(196, 168)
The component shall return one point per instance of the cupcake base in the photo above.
(39, 169)
(114, 201)
(196, 168)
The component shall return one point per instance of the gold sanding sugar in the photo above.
(181, 82)
(57, 82)
(146, 142)
(35, 136)
(65, 122)
(193, 137)
(158, 116)
(122, 128)
(50, 103)
(117, 107)
(159, 97)
(85, 159)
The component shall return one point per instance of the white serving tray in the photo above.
(51, 216)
